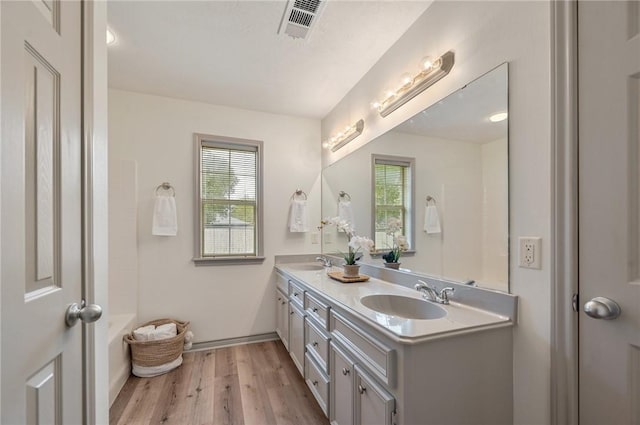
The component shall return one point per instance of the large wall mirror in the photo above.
(444, 175)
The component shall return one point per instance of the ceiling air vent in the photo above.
(300, 16)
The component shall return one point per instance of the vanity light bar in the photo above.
(411, 87)
(341, 139)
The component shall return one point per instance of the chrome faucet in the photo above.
(325, 261)
(430, 293)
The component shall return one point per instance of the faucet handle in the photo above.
(444, 294)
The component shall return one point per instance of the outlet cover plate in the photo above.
(530, 252)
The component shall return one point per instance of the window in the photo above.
(229, 186)
(393, 199)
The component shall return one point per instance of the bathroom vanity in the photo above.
(378, 353)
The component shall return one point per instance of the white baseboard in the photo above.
(229, 342)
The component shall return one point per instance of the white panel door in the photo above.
(609, 209)
(41, 249)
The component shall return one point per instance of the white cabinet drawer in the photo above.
(296, 293)
(317, 309)
(318, 382)
(317, 343)
(365, 348)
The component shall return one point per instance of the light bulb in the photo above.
(406, 79)
(389, 93)
(500, 116)
(325, 145)
(426, 63)
(375, 105)
(111, 38)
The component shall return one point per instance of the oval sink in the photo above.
(305, 266)
(409, 308)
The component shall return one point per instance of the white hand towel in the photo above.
(298, 220)
(165, 218)
(432, 220)
(143, 333)
(345, 212)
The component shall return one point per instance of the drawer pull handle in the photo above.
(279, 299)
(315, 383)
(295, 294)
(291, 312)
(345, 371)
(314, 309)
(314, 343)
(361, 389)
(284, 302)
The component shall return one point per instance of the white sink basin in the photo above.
(305, 266)
(409, 308)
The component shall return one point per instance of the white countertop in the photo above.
(459, 319)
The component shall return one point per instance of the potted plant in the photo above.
(357, 244)
(400, 244)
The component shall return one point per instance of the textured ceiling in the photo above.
(230, 53)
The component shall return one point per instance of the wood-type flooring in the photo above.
(251, 384)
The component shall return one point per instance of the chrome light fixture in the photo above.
(431, 72)
(339, 140)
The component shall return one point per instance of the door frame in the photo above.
(94, 210)
(564, 200)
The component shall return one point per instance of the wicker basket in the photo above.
(159, 352)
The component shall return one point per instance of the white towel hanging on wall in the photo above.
(165, 216)
(432, 220)
(345, 212)
(298, 217)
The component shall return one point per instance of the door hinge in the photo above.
(574, 302)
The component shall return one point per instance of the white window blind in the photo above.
(392, 195)
(229, 182)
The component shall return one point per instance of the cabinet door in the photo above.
(374, 405)
(282, 318)
(341, 388)
(296, 336)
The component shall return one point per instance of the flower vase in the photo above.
(392, 265)
(351, 270)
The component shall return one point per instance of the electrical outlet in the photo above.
(315, 238)
(530, 252)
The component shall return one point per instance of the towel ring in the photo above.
(431, 199)
(342, 195)
(299, 192)
(166, 186)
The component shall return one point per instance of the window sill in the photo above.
(227, 261)
(379, 254)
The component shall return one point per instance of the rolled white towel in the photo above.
(164, 331)
(188, 340)
(144, 333)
